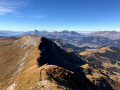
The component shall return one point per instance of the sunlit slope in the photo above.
(4, 41)
(103, 66)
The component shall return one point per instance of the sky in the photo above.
(58, 15)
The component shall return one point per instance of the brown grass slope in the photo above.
(103, 66)
(37, 63)
(4, 41)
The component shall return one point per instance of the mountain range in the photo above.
(109, 34)
(10, 33)
(91, 40)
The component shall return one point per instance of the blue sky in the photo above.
(79, 15)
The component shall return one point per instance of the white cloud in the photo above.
(11, 6)
(4, 10)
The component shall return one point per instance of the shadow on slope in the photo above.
(51, 54)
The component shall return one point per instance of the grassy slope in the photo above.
(100, 65)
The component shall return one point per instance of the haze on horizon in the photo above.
(78, 15)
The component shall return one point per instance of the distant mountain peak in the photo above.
(109, 34)
(65, 31)
(36, 31)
